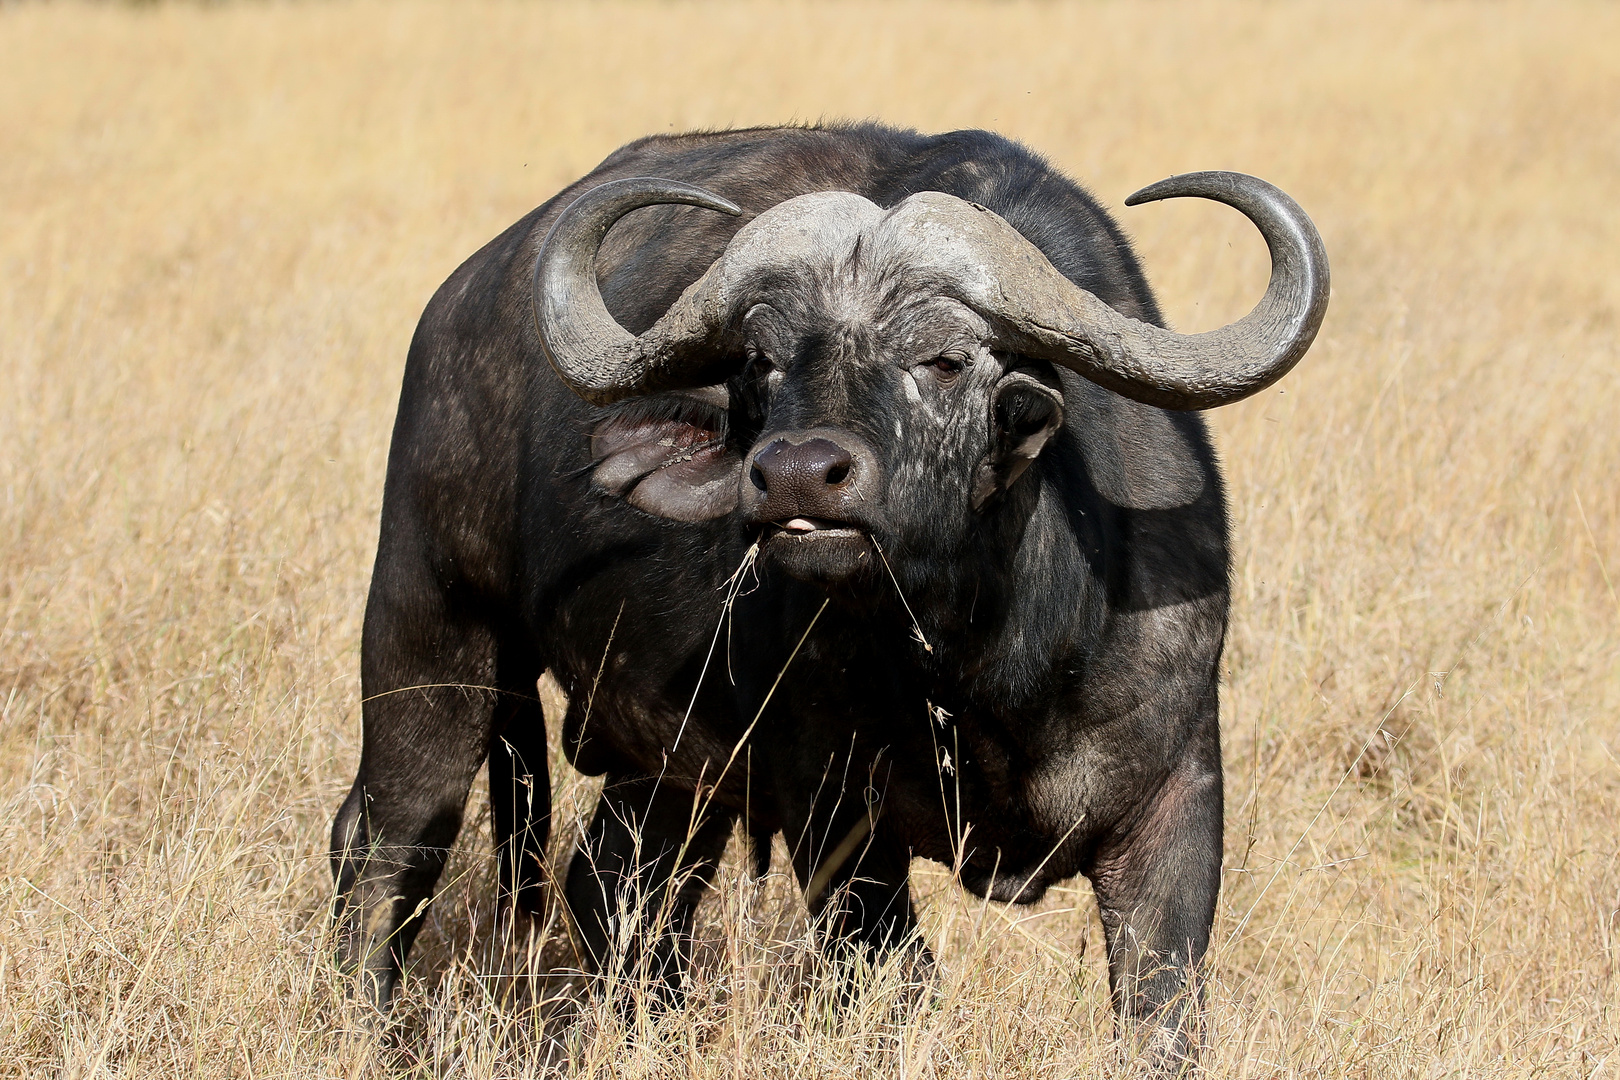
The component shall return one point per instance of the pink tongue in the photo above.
(801, 525)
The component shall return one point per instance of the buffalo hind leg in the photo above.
(646, 859)
(427, 713)
(1156, 887)
(520, 796)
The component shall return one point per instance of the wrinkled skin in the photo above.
(1014, 584)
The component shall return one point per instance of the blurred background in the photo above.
(218, 225)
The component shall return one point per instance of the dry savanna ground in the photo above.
(217, 228)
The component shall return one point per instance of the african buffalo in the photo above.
(848, 481)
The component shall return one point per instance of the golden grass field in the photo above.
(217, 228)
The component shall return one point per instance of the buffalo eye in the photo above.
(946, 367)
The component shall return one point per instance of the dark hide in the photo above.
(1016, 666)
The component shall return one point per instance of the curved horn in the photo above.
(597, 358)
(1245, 357)
(1050, 317)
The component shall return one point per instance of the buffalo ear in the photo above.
(1025, 412)
(667, 456)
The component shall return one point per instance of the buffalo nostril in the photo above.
(791, 471)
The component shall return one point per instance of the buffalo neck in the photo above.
(1017, 607)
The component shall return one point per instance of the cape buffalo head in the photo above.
(891, 367)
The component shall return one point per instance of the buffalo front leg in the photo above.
(855, 875)
(427, 711)
(1156, 885)
(643, 864)
(520, 797)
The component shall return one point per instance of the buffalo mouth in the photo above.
(820, 550)
(808, 528)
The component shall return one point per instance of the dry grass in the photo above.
(217, 227)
